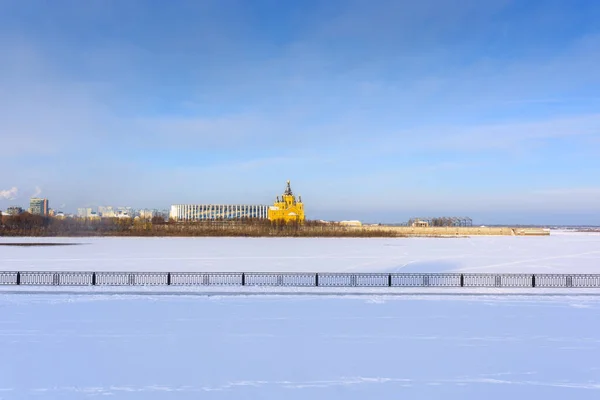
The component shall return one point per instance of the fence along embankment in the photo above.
(307, 279)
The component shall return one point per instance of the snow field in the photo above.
(559, 253)
(182, 347)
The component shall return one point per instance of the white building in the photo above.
(146, 214)
(106, 212)
(351, 223)
(84, 212)
(116, 212)
(124, 212)
(198, 212)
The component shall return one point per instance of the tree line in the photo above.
(27, 224)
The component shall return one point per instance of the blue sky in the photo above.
(376, 110)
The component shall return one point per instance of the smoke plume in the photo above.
(38, 191)
(9, 194)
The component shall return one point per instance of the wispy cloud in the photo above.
(574, 192)
(509, 135)
(504, 138)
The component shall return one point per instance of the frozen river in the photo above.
(560, 252)
(72, 346)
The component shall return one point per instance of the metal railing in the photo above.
(298, 279)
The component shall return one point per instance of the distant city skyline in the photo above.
(378, 111)
(510, 218)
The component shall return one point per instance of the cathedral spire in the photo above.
(288, 190)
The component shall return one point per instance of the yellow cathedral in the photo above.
(287, 208)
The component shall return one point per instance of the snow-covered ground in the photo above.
(60, 343)
(182, 347)
(561, 252)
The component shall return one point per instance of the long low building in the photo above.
(200, 212)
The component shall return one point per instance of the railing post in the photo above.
(569, 281)
(243, 279)
(533, 280)
(389, 279)
(462, 280)
(18, 278)
(168, 278)
(93, 279)
(317, 279)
